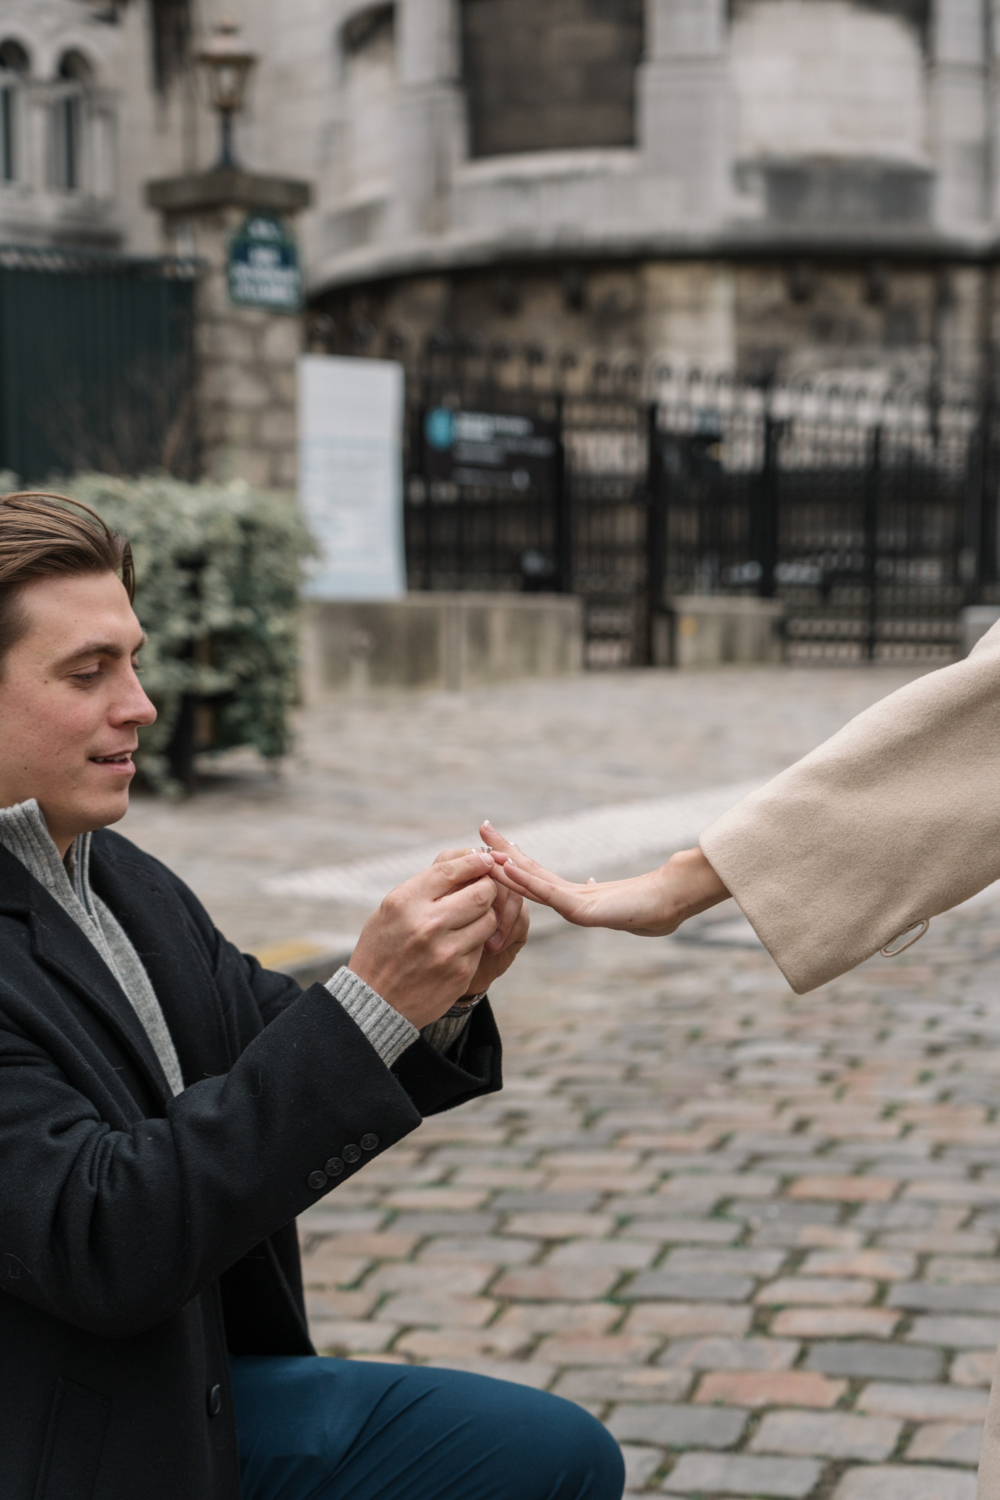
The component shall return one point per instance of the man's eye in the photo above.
(85, 677)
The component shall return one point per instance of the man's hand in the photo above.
(648, 905)
(422, 948)
(500, 951)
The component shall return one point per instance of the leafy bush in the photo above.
(217, 575)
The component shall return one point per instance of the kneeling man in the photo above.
(167, 1108)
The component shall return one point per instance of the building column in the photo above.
(683, 106)
(959, 125)
(246, 356)
(430, 117)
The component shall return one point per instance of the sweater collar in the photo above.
(25, 834)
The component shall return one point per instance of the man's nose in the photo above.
(134, 707)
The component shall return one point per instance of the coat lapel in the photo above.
(172, 953)
(60, 946)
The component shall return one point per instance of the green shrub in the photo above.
(217, 575)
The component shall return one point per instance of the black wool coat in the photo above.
(144, 1236)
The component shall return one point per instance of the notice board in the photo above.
(351, 475)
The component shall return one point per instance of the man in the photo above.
(167, 1108)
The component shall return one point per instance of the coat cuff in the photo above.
(389, 1032)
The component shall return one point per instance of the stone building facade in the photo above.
(776, 186)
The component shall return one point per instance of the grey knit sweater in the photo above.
(23, 833)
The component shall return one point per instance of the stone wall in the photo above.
(915, 322)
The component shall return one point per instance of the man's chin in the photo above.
(104, 811)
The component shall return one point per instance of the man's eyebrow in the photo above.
(102, 648)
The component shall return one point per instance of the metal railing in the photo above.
(871, 513)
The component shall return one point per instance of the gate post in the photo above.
(765, 522)
(873, 483)
(245, 394)
(659, 651)
(563, 499)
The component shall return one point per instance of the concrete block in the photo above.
(539, 1283)
(597, 1349)
(439, 640)
(903, 1482)
(923, 1403)
(864, 1360)
(835, 1322)
(834, 1434)
(770, 1388)
(710, 630)
(690, 1287)
(625, 1384)
(921, 1296)
(974, 1367)
(947, 1442)
(977, 619)
(678, 1426)
(721, 1353)
(718, 1473)
(640, 1465)
(689, 1319)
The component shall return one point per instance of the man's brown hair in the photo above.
(45, 535)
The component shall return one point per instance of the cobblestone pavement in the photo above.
(755, 1233)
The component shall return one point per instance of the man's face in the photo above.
(71, 704)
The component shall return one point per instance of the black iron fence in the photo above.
(96, 363)
(871, 515)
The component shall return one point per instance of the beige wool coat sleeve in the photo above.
(894, 819)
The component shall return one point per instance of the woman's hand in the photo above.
(649, 905)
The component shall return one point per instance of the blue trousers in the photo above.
(336, 1429)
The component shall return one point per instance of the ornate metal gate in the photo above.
(872, 517)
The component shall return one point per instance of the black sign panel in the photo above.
(490, 449)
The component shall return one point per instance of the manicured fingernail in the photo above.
(487, 824)
(513, 870)
(591, 880)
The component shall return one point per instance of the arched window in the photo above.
(14, 65)
(68, 122)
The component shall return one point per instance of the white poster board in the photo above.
(351, 475)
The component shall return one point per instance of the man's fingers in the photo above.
(508, 915)
(447, 873)
(458, 908)
(449, 854)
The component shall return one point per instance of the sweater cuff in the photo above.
(445, 1032)
(389, 1032)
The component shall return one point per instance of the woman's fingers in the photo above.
(509, 852)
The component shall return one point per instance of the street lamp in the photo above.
(227, 61)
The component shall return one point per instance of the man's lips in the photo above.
(118, 758)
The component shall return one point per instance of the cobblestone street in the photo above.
(755, 1233)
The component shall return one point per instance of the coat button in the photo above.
(316, 1180)
(333, 1167)
(351, 1154)
(215, 1401)
(369, 1142)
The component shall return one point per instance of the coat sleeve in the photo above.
(894, 819)
(115, 1229)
